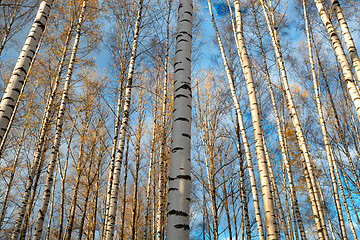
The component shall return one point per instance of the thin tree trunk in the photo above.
(63, 178)
(284, 224)
(22, 66)
(243, 134)
(123, 206)
(137, 167)
(113, 155)
(324, 131)
(347, 37)
(58, 132)
(79, 168)
(307, 164)
(33, 199)
(337, 123)
(234, 213)
(84, 213)
(271, 223)
(150, 173)
(340, 54)
(40, 142)
(283, 146)
(243, 196)
(12, 175)
(162, 173)
(48, 229)
(110, 227)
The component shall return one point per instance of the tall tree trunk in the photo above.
(347, 37)
(58, 132)
(136, 173)
(340, 54)
(22, 66)
(3, 140)
(284, 224)
(271, 223)
(162, 172)
(33, 197)
(79, 169)
(323, 129)
(179, 177)
(113, 154)
(63, 179)
(150, 174)
(283, 146)
(48, 229)
(40, 142)
(110, 227)
(338, 127)
(12, 175)
(243, 134)
(307, 164)
(123, 206)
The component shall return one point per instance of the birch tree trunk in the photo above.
(6, 133)
(48, 229)
(340, 54)
(113, 155)
(271, 223)
(40, 142)
(347, 36)
(323, 129)
(179, 177)
(283, 146)
(12, 175)
(79, 169)
(110, 227)
(58, 132)
(243, 134)
(307, 164)
(162, 173)
(63, 178)
(150, 173)
(123, 206)
(23, 63)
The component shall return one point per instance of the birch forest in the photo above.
(179, 119)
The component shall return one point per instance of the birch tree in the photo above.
(23, 63)
(123, 129)
(179, 177)
(340, 54)
(58, 132)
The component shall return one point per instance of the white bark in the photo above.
(307, 163)
(58, 132)
(270, 219)
(347, 36)
(240, 122)
(283, 146)
(340, 54)
(16, 82)
(41, 139)
(179, 177)
(323, 129)
(162, 170)
(110, 227)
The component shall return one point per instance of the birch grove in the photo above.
(179, 119)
